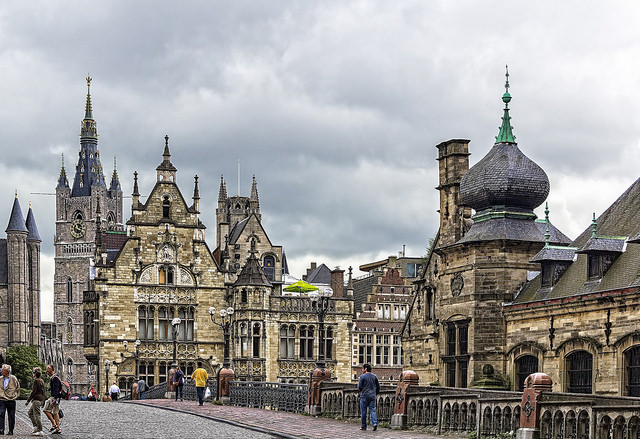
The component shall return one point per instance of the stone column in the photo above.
(226, 375)
(314, 405)
(535, 385)
(408, 378)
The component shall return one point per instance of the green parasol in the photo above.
(300, 287)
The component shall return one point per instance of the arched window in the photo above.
(69, 290)
(256, 340)
(69, 369)
(170, 276)
(243, 296)
(306, 342)
(579, 365)
(287, 341)
(525, 366)
(69, 330)
(632, 371)
(77, 215)
(111, 221)
(145, 322)
(89, 329)
(269, 267)
(244, 340)
(147, 371)
(166, 204)
(186, 315)
(165, 330)
(328, 343)
(162, 276)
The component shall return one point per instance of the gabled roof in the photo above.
(238, 229)
(616, 245)
(555, 253)
(320, 275)
(252, 274)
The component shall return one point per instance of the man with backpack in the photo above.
(52, 406)
(142, 387)
(178, 382)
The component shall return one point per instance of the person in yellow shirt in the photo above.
(200, 377)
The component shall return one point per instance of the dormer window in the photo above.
(601, 254)
(598, 264)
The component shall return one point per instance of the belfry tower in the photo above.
(76, 225)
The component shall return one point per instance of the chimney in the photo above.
(337, 282)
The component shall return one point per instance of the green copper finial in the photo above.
(594, 226)
(547, 233)
(506, 131)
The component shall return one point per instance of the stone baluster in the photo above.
(407, 379)
(535, 385)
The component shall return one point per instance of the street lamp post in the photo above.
(225, 374)
(135, 355)
(107, 367)
(320, 300)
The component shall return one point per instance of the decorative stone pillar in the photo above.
(171, 389)
(535, 385)
(407, 379)
(314, 406)
(226, 375)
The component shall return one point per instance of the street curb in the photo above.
(225, 421)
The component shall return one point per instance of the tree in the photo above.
(22, 360)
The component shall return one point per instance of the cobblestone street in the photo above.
(126, 420)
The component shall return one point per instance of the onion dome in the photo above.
(505, 180)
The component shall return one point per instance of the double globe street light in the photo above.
(320, 300)
(224, 323)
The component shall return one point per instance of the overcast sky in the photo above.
(336, 107)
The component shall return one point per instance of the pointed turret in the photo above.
(32, 227)
(115, 181)
(89, 169)
(222, 193)
(253, 199)
(166, 171)
(196, 195)
(16, 220)
(62, 180)
(505, 135)
(136, 193)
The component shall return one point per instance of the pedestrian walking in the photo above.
(200, 376)
(178, 382)
(142, 387)
(114, 390)
(36, 399)
(52, 405)
(93, 394)
(369, 387)
(9, 392)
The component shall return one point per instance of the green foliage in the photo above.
(473, 435)
(22, 360)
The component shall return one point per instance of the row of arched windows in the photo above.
(305, 339)
(147, 322)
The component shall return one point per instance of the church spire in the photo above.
(89, 169)
(115, 181)
(16, 220)
(136, 193)
(165, 170)
(62, 180)
(506, 131)
(196, 195)
(222, 193)
(253, 199)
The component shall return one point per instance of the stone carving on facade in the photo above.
(169, 295)
(185, 277)
(457, 283)
(147, 276)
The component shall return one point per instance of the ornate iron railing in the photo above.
(189, 392)
(272, 396)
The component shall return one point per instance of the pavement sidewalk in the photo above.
(284, 424)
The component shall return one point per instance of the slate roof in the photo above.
(237, 230)
(320, 275)
(16, 220)
(32, 227)
(513, 229)
(616, 245)
(555, 253)
(621, 219)
(252, 274)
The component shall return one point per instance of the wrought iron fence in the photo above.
(272, 396)
(189, 392)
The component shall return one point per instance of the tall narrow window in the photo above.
(256, 340)
(162, 276)
(306, 342)
(165, 206)
(165, 330)
(243, 296)
(69, 330)
(451, 339)
(69, 370)
(147, 372)
(525, 366)
(170, 276)
(287, 341)
(186, 315)
(69, 290)
(145, 322)
(328, 344)
(397, 350)
(269, 267)
(244, 340)
(579, 365)
(89, 328)
(463, 334)
(632, 365)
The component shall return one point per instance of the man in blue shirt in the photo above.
(369, 387)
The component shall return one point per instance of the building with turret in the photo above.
(20, 281)
(77, 222)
